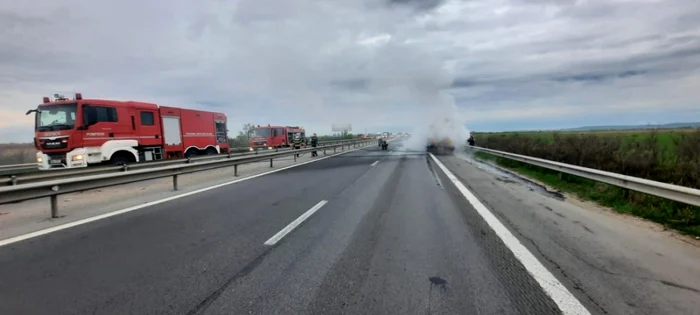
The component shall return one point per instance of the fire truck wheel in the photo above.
(211, 151)
(191, 153)
(120, 159)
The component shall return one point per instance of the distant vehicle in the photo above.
(471, 140)
(271, 137)
(383, 143)
(81, 132)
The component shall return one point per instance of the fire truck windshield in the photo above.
(56, 117)
(260, 132)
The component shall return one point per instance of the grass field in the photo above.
(671, 156)
(17, 153)
(665, 138)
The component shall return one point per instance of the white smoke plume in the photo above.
(351, 65)
(429, 110)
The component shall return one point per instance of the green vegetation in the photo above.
(670, 156)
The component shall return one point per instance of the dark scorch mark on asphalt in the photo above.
(680, 286)
(509, 177)
(204, 304)
(439, 282)
(435, 282)
(584, 227)
(547, 207)
(437, 179)
(506, 180)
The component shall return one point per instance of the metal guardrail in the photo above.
(14, 166)
(93, 170)
(53, 188)
(668, 191)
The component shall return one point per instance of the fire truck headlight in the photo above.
(39, 160)
(251, 149)
(270, 148)
(78, 157)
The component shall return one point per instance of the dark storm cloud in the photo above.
(423, 5)
(352, 84)
(598, 77)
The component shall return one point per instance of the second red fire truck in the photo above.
(271, 137)
(71, 133)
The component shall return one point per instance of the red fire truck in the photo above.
(270, 137)
(81, 132)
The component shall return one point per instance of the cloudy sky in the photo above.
(377, 64)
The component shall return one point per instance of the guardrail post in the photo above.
(13, 178)
(235, 170)
(54, 206)
(175, 182)
(271, 161)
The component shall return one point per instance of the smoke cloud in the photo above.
(314, 64)
(427, 109)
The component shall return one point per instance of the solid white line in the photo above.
(277, 237)
(566, 301)
(19, 238)
(375, 163)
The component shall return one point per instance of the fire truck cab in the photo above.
(81, 132)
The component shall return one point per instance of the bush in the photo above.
(671, 157)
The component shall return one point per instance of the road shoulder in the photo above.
(612, 264)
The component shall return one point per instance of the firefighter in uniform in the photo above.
(471, 140)
(297, 142)
(314, 143)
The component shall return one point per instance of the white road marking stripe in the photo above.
(277, 237)
(375, 163)
(566, 301)
(19, 238)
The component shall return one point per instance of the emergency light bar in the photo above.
(59, 97)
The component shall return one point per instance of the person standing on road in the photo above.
(297, 142)
(471, 140)
(314, 143)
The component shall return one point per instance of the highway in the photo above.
(381, 232)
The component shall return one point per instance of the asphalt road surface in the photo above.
(390, 235)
